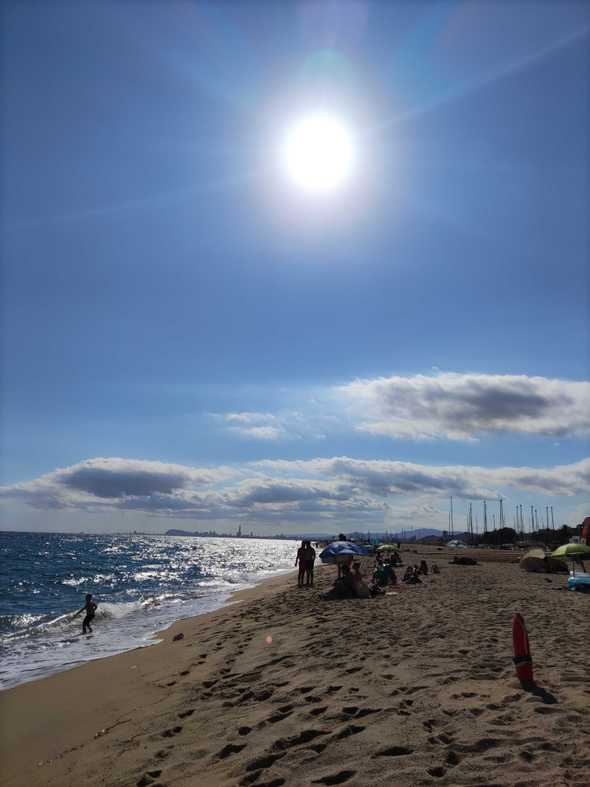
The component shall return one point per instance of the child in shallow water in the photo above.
(90, 608)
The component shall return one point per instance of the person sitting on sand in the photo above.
(300, 559)
(344, 586)
(342, 561)
(380, 575)
(90, 608)
(408, 574)
(309, 560)
(360, 586)
(435, 569)
(390, 573)
(423, 568)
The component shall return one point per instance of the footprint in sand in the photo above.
(261, 763)
(336, 778)
(297, 740)
(148, 778)
(183, 714)
(229, 749)
(276, 717)
(318, 711)
(351, 729)
(452, 758)
(393, 751)
(171, 732)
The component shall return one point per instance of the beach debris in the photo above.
(522, 652)
(177, 637)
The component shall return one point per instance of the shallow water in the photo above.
(141, 583)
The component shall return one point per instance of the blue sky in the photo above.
(175, 311)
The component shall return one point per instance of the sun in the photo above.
(318, 153)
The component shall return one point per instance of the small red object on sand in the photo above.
(522, 652)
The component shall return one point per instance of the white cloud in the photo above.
(462, 406)
(298, 491)
(383, 478)
(285, 425)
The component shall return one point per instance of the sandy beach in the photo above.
(284, 688)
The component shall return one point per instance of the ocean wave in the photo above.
(93, 580)
(141, 586)
(35, 625)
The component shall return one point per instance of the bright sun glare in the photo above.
(318, 153)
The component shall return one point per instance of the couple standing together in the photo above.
(305, 559)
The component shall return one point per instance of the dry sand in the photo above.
(415, 688)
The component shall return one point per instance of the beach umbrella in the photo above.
(386, 547)
(341, 549)
(572, 551)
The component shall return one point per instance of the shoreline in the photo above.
(220, 601)
(64, 696)
(282, 687)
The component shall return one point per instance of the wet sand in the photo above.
(282, 687)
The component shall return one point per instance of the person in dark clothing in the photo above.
(90, 609)
(309, 560)
(345, 585)
(300, 559)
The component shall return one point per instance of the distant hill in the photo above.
(418, 534)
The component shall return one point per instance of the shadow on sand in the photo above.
(538, 691)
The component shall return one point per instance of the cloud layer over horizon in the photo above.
(322, 490)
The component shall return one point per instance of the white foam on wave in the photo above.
(42, 646)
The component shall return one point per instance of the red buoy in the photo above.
(522, 652)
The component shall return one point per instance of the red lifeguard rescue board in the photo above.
(522, 652)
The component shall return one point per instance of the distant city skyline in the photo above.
(322, 265)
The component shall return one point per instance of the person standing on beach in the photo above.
(309, 560)
(90, 608)
(300, 560)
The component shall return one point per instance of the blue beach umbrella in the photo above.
(341, 549)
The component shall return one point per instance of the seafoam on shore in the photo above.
(142, 584)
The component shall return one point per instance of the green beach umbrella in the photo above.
(572, 551)
(386, 547)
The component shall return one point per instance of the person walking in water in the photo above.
(90, 608)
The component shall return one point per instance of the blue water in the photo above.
(141, 583)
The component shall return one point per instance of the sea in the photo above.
(142, 584)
